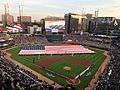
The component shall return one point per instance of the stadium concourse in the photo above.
(110, 79)
(61, 49)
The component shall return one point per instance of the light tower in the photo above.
(96, 13)
(96, 19)
(6, 13)
(82, 20)
(20, 13)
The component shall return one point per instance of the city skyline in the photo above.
(41, 8)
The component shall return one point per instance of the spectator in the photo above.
(110, 80)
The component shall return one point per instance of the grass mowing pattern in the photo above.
(58, 67)
(97, 59)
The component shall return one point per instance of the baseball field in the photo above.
(65, 65)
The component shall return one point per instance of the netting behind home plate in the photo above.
(62, 49)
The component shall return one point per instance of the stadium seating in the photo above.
(24, 39)
(85, 40)
(110, 79)
(13, 77)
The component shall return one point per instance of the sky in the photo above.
(41, 8)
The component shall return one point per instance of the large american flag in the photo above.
(15, 28)
(62, 49)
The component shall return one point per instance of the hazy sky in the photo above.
(41, 8)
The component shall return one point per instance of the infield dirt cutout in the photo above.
(46, 62)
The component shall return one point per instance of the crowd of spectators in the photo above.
(13, 77)
(110, 79)
(81, 39)
(87, 40)
(4, 40)
(3, 36)
(75, 38)
(29, 39)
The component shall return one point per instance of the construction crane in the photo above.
(6, 13)
(20, 13)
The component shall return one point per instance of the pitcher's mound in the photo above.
(67, 68)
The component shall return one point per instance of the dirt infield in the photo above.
(49, 61)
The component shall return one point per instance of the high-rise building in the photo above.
(74, 23)
(71, 24)
(43, 26)
(90, 22)
(24, 19)
(7, 19)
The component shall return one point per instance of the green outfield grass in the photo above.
(97, 59)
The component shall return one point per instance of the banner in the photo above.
(54, 30)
